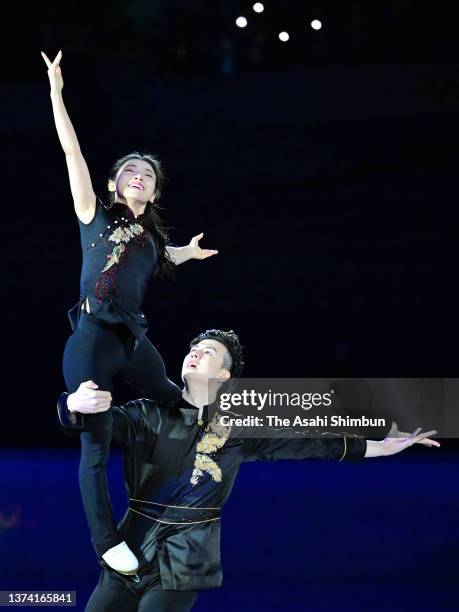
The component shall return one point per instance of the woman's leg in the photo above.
(113, 594)
(167, 601)
(146, 372)
(96, 354)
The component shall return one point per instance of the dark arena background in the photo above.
(317, 148)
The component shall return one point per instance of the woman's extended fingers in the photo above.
(57, 59)
(208, 252)
(55, 62)
(46, 58)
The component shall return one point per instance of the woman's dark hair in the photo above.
(152, 220)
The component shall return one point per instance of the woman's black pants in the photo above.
(101, 352)
(116, 593)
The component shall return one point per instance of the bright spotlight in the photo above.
(241, 22)
(316, 24)
(283, 36)
(258, 7)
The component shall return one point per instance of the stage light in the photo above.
(258, 7)
(241, 22)
(316, 24)
(283, 36)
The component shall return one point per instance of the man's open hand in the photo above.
(87, 399)
(396, 440)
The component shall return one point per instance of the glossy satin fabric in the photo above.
(159, 448)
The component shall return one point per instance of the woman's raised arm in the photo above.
(84, 198)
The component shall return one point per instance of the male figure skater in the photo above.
(180, 466)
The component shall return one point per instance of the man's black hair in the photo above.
(231, 341)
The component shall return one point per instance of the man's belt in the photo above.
(173, 515)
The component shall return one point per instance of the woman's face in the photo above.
(135, 180)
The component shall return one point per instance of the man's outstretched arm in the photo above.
(344, 447)
(337, 447)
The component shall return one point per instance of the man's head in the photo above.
(213, 354)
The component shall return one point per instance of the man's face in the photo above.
(204, 361)
(135, 179)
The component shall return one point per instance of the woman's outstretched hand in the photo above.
(191, 251)
(54, 73)
(195, 250)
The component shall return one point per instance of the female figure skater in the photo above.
(123, 244)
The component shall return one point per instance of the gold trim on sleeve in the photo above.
(345, 447)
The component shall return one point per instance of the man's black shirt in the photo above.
(174, 510)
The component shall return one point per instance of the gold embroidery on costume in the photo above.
(114, 257)
(121, 235)
(203, 463)
(210, 443)
(124, 234)
(214, 437)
